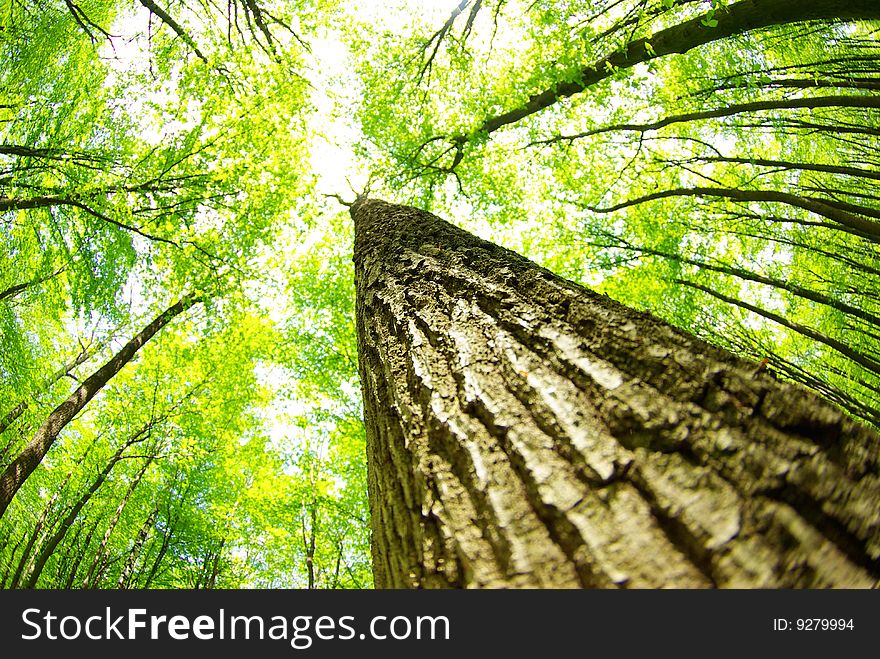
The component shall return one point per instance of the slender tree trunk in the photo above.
(211, 581)
(855, 172)
(166, 18)
(209, 567)
(27, 556)
(128, 568)
(22, 406)
(309, 540)
(523, 431)
(865, 361)
(10, 560)
(842, 213)
(53, 541)
(80, 554)
(17, 289)
(727, 111)
(8, 419)
(22, 467)
(742, 273)
(66, 558)
(102, 555)
(160, 555)
(334, 584)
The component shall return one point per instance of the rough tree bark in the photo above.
(523, 431)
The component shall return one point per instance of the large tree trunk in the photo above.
(23, 466)
(523, 431)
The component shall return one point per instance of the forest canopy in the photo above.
(179, 395)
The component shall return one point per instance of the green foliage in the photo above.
(139, 167)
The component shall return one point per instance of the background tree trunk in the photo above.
(102, 555)
(23, 466)
(523, 431)
(64, 525)
(22, 406)
(130, 562)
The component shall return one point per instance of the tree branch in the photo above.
(166, 18)
(756, 106)
(836, 211)
(862, 360)
(744, 16)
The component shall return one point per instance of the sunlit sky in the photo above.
(334, 91)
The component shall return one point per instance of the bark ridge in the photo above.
(523, 431)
